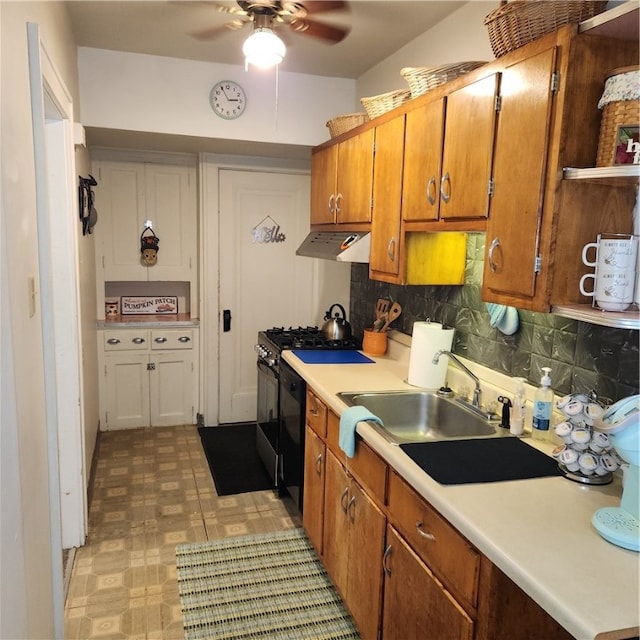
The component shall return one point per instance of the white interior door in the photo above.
(263, 219)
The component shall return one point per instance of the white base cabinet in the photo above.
(148, 378)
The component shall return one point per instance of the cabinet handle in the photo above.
(350, 506)
(319, 464)
(385, 557)
(184, 339)
(391, 249)
(332, 203)
(343, 500)
(338, 208)
(495, 243)
(160, 339)
(113, 341)
(137, 340)
(424, 534)
(445, 195)
(431, 190)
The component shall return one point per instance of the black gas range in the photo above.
(281, 403)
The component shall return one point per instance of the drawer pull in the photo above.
(332, 200)
(338, 205)
(350, 507)
(137, 340)
(343, 500)
(113, 341)
(385, 566)
(319, 464)
(184, 339)
(161, 340)
(424, 534)
(495, 243)
(391, 249)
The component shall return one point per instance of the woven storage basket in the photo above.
(423, 79)
(342, 124)
(620, 104)
(377, 105)
(514, 24)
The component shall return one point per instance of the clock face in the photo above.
(227, 99)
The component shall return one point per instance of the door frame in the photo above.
(57, 219)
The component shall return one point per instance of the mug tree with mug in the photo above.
(615, 271)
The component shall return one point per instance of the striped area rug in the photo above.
(262, 586)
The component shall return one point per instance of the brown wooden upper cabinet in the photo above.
(520, 159)
(341, 181)
(468, 149)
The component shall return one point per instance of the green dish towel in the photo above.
(348, 422)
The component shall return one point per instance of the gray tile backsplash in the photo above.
(582, 356)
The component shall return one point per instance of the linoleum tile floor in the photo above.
(152, 490)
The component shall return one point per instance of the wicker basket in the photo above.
(377, 105)
(620, 106)
(342, 124)
(423, 79)
(514, 24)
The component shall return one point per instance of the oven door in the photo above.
(267, 433)
(292, 407)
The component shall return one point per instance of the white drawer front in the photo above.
(171, 339)
(126, 340)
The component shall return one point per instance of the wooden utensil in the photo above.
(393, 313)
(382, 306)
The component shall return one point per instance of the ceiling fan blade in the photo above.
(324, 6)
(319, 30)
(212, 32)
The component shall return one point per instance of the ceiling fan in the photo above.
(263, 47)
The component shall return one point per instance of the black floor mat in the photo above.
(233, 459)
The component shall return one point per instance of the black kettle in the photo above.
(336, 327)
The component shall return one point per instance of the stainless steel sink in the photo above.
(423, 416)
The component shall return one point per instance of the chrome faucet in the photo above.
(477, 393)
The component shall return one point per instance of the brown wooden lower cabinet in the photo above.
(314, 472)
(353, 545)
(416, 605)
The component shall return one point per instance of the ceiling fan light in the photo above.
(263, 48)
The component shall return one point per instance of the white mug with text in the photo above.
(615, 270)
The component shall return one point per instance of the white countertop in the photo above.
(149, 321)
(538, 532)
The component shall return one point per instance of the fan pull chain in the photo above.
(277, 91)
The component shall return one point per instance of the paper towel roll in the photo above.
(427, 338)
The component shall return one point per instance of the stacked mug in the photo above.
(614, 278)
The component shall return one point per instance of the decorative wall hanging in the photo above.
(267, 231)
(86, 208)
(149, 247)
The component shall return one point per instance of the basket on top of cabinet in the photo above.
(423, 79)
(514, 24)
(346, 122)
(380, 104)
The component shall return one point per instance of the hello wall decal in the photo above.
(267, 231)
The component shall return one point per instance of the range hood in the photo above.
(343, 247)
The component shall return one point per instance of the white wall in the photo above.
(155, 94)
(26, 602)
(460, 36)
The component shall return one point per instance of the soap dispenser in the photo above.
(542, 407)
(517, 412)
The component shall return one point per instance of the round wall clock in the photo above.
(227, 99)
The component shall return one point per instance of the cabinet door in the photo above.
(127, 391)
(171, 381)
(416, 607)
(424, 133)
(366, 546)
(120, 201)
(170, 196)
(387, 197)
(336, 524)
(314, 478)
(468, 147)
(324, 166)
(519, 169)
(355, 178)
